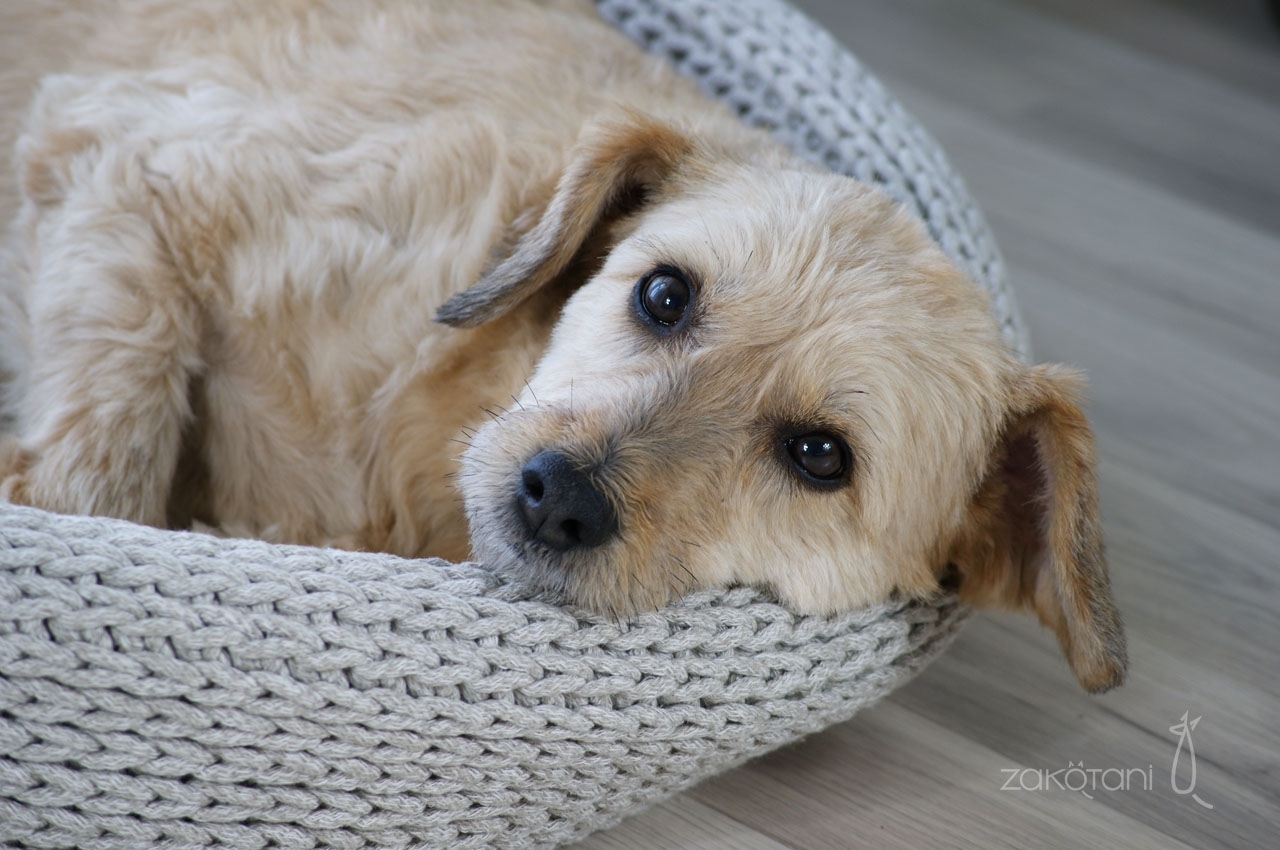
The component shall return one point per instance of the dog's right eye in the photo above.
(820, 457)
(664, 296)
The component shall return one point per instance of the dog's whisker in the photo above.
(692, 578)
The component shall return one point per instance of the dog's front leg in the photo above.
(115, 336)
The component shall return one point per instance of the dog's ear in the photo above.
(1032, 539)
(612, 169)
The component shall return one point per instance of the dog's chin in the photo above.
(538, 575)
(498, 542)
(581, 579)
(613, 580)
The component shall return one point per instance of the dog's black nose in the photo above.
(560, 505)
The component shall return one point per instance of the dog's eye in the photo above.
(664, 295)
(822, 457)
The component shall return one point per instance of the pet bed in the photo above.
(166, 689)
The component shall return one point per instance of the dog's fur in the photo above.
(236, 222)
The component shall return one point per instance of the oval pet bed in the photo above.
(167, 689)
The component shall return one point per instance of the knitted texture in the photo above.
(161, 687)
(164, 689)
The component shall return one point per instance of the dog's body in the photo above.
(329, 180)
(705, 362)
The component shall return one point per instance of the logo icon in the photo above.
(1183, 729)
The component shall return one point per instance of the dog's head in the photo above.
(771, 375)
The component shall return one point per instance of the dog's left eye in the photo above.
(664, 295)
(819, 456)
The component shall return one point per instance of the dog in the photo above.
(272, 263)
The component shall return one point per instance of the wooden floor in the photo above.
(1127, 153)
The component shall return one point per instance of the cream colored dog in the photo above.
(275, 260)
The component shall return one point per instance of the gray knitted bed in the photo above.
(165, 689)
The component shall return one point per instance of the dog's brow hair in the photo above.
(672, 254)
(848, 412)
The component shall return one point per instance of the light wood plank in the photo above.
(681, 822)
(894, 779)
(1234, 40)
(1071, 89)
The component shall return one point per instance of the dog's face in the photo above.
(776, 378)
(763, 385)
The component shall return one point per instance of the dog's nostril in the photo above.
(532, 483)
(572, 530)
(560, 505)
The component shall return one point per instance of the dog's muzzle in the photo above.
(560, 506)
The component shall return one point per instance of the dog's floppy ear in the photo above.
(1033, 539)
(612, 168)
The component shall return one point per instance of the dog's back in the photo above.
(294, 188)
(35, 39)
